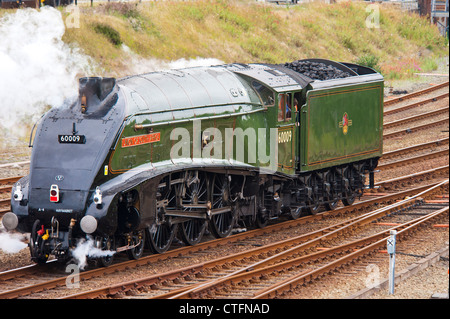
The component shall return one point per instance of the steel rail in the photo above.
(246, 254)
(277, 227)
(417, 93)
(416, 118)
(412, 160)
(23, 271)
(255, 274)
(234, 238)
(9, 180)
(335, 231)
(296, 262)
(406, 150)
(14, 164)
(309, 276)
(415, 128)
(415, 104)
(404, 179)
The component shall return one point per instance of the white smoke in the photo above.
(86, 249)
(139, 65)
(37, 69)
(11, 243)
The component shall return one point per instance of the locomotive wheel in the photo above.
(160, 237)
(332, 198)
(314, 202)
(296, 212)
(313, 208)
(349, 200)
(262, 218)
(331, 205)
(136, 252)
(221, 225)
(349, 195)
(192, 230)
(107, 243)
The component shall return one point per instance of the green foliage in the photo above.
(429, 65)
(192, 13)
(370, 61)
(110, 33)
(232, 17)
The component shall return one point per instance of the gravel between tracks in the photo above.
(423, 285)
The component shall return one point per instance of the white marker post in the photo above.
(391, 243)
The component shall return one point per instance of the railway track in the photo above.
(370, 245)
(416, 118)
(156, 280)
(241, 240)
(242, 275)
(389, 102)
(440, 143)
(415, 104)
(414, 159)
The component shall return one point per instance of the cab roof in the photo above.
(276, 77)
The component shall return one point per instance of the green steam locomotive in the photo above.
(144, 159)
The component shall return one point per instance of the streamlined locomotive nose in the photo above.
(69, 148)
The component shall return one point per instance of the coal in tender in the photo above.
(317, 70)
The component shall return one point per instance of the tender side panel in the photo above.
(341, 125)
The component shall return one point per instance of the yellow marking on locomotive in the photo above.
(284, 136)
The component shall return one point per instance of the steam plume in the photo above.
(11, 243)
(37, 69)
(85, 249)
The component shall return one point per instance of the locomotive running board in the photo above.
(201, 212)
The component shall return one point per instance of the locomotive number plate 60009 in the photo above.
(72, 139)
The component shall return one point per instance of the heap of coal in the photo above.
(317, 70)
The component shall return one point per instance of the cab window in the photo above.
(265, 94)
(284, 107)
